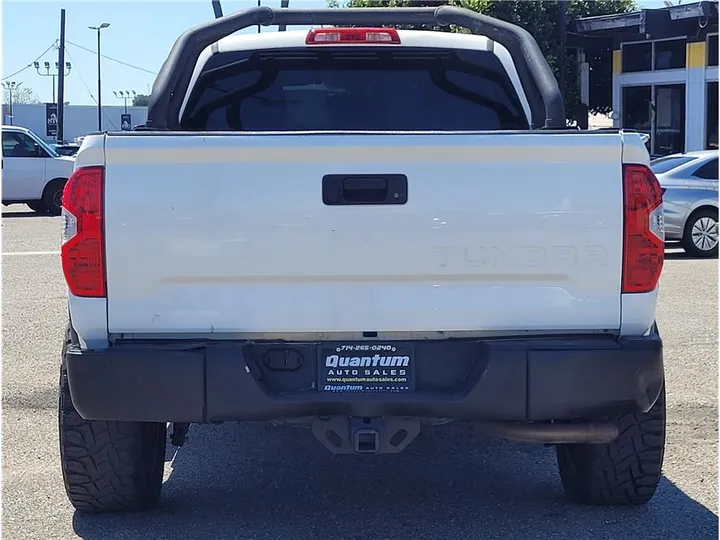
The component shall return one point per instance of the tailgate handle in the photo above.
(346, 189)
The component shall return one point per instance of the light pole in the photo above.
(52, 74)
(11, 86)
(99, 97)
(125, 96)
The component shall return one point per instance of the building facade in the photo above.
(79, 120)
(664, 72)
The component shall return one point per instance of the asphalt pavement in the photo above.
(257, 481)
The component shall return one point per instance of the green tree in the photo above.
(20, 96)
(541, 19)
(141, 100)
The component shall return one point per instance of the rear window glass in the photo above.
(663, 165)
(709, 171)
(354, 90)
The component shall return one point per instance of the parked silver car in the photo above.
(690, 181)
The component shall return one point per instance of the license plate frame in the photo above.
(366, 368)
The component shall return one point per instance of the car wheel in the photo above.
(108, 466)
(625, 472)
(701, 233)
(52, 196)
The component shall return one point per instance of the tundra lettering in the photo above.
(520, 257)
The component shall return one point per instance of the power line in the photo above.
(82, 80)
(54, 44)
(81, 77)
(111, 59)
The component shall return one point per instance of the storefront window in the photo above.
(711, 122)
(637, 109)
(669, 135)
(637, 57)
(670, 54)
(712, 50)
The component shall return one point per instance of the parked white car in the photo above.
(32, 172)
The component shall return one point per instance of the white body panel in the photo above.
(228, 233)
(25, 178)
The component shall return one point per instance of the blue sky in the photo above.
(140, 34)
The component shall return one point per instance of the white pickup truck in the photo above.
(365, 230)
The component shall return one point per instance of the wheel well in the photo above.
(53, 181)
(700, 209)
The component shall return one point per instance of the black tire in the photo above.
(624, 472)
(52, 196)
(37, 206)
(704, 217)
(108, 466)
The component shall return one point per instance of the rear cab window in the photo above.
(351, 89)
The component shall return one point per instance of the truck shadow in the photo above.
(681, 255)
(29, 213)
(258, 481)
(673, 251)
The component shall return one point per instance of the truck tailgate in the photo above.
(218, 233)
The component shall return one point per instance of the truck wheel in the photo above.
(700, 238)
(52, 196)
(109, 466)
(624, 472)
(37, 206)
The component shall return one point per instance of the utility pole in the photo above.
(119, 94)
(61, 80)
(99, 97)
(52, 74)
(259, 4)
(11, 86)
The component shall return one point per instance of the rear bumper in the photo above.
(518, 379)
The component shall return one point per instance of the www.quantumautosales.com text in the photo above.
(395, 380)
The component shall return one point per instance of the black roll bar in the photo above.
(538, 82)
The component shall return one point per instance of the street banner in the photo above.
(51, 119)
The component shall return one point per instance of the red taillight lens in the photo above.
(644, 230)
(336, 36)
(83, 250)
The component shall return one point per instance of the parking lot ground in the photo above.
(257, 481)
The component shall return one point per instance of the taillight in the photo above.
(335, 36)
(644, 230)
(83, 250)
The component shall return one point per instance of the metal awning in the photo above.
(667, 21)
